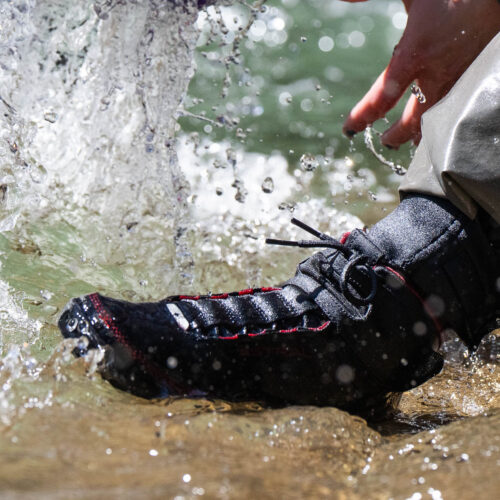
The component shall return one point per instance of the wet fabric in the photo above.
(459, 155)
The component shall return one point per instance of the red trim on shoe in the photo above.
(344, 237)
(258, 333)
(291, 330)
(435, 320)
(108, 321)
(251, 291)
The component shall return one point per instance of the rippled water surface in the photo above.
(112, 180)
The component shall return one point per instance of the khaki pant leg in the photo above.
(459, 155)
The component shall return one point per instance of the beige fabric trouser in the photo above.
(459, 155)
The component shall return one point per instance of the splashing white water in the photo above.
(89, 95)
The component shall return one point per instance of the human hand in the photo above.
(441, 39)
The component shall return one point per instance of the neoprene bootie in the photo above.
(358, 320)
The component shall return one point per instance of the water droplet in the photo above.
(84, 327)
(419, 328)
(268, 185)
(326, 44)
(397, 169)
(303, 39)
(308, 162)
(231, 156)
(417, 92)
(345, 374)
(435, 305)
(186, 478)
(285, 98)
(290, 206)
(241, 192)
(46, 294)
(153, 453)
(306, 105)
(83, 344)
(72, 324)
(50, 116)
(172, 362)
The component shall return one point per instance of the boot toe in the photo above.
(80, 319)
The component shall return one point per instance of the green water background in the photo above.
(323, 86)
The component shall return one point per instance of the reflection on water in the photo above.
(92, 197)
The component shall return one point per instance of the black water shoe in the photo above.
(359, 320)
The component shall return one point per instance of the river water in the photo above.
(112, 179)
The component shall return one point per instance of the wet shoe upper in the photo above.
(357, 321)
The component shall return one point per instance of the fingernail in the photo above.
(350, 133)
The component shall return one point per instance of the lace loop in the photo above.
(354, 261)
(358, 262)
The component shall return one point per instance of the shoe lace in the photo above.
(354, 261)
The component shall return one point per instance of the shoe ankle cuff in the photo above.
(359, 242)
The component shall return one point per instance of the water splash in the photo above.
(396, 168)
(82, 85)
(91, 192)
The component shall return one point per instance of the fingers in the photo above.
(383, 95)
(408, 126)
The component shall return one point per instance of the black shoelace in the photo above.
(354, 261)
